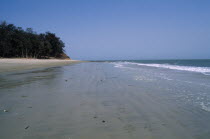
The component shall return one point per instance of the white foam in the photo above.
(176, 67)
(120, 65)
(204, 107)
(204, 70)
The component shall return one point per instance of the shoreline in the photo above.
(18, 64)
(98, 100)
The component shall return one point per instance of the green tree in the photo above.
(16, 42)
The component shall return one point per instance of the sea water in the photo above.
(190, 78)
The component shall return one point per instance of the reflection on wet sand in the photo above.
(20, 78)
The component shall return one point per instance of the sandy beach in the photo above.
(95, 100)
(24, 64)
(146, 73)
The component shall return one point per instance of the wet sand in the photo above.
(94, 101)
(24, 64)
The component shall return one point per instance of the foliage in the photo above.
(16, 42)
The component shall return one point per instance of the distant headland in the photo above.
(16, 42)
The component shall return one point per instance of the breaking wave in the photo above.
(204, 70)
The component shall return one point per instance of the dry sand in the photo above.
(24, 64)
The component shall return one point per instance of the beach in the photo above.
(12, 64)
(103, 100)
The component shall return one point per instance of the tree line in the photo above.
(16, 42)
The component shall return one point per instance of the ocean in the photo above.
(194, 76)
(202, 66)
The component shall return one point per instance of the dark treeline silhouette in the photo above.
(16, 42)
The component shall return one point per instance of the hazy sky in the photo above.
(119, 29)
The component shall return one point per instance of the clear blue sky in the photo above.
(119, 29)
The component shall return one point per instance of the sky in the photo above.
(119, 29)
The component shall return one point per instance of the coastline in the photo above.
(94, 100)
(18, 64)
